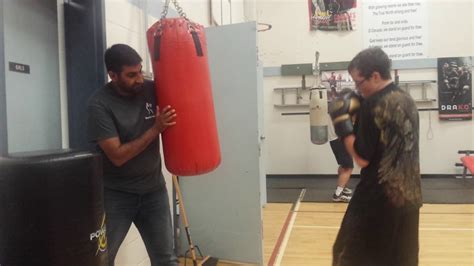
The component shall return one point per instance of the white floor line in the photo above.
(447, 229)
(281, 251)
(421, 229)
(316, 226)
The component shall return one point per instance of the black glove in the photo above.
(341, 111)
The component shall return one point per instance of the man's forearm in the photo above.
(120, 153)
(349, 144)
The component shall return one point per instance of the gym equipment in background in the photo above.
(51, 209)
(318, 108)
(182, 80)
(467, 162)
(318, 116)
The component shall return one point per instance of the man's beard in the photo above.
(130, 90)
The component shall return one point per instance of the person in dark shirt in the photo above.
(346, 165)
(380, 226)
(124, 122)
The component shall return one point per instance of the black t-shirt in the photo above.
(112, 115)
(387, 137)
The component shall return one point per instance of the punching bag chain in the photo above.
(317, 72)
(178, 8)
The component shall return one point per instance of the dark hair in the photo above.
(371, 60)
(119, 55)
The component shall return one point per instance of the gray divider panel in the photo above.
(223, 207)
(32, 96)
(3, 101)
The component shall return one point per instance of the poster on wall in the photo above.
(335, 81)
(455, 88)
(332, 15)
(399, 27)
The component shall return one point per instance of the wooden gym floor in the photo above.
(446, 233)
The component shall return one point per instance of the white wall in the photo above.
(290, 41)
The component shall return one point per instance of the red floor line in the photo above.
(276, 249)
(292, 212)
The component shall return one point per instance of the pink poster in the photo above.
(336, 81)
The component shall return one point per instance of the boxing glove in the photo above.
(341, 111)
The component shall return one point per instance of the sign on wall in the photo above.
(17, 67)
(332, 15)
(455, 88)
(398, 27)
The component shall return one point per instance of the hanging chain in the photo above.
(178, 8)
(317, 72)
(191, 25)
(165, 9)
(429, 134)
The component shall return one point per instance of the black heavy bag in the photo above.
(51, 209)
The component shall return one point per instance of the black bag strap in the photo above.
(191, 28)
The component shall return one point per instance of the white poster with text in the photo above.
(398, 27)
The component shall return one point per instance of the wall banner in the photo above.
(455, 88)
(332, 15)
(399, 27)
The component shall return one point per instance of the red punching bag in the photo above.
(179, 56)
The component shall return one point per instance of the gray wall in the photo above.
(32, 100)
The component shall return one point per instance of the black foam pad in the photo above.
(51, 209)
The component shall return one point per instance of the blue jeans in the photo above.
(151, 215)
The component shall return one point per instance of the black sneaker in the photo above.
(341, 198)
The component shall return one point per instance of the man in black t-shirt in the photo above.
(346, 165)
(125, 122)
(380, 226)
